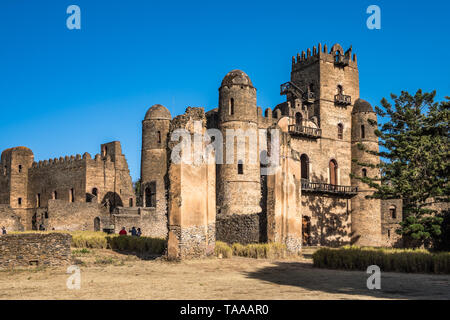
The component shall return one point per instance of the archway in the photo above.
(97, 224)
(304, 166)
(298, 119)
(306, 230)
(333, 172)
(113, 200)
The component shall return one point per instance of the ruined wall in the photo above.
(9, 219)
(151, 223)
(283, 200)
(192, 205)
(21, 250)
(76, 216)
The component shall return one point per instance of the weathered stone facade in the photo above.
(298, 192)
(22, 250)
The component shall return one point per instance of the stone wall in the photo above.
(241, 228)
(75, 216)
(21, 250)
(152, 223)
(390, 224)
(9, 219)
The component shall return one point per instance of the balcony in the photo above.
(341, 60)
(300, 130)
(325, 188)
(342, 99)
(309, 97)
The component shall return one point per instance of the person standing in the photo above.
(123, 232)
(3, 230)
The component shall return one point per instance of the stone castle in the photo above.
(310, 198)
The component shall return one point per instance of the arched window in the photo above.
(38, 200)
(159, 136)
(393, 212)
(364, 172)
(363, 132)
(71, 195)
(150, 195)
(54, 195)
(333, 172)
(304, 166)
(340, 131)
(336, 57)
(240, 167)
(20, 168)
(298, 119)
(97, 224)
(231, 106)
(340, 89)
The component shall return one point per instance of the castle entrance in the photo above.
(306, 230)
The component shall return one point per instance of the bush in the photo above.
(397, 260)
(223, 249)
(255, 250)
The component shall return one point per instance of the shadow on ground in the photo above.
(393, 285)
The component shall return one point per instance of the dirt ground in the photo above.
(110, 275)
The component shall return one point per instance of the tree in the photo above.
(414, 164)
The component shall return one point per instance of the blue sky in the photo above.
(64, 92)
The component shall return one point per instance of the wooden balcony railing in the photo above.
(342, 99)
(300, 130)
(319, 187)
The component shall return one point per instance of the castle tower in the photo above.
(238, 178)
(14, 175)
(366, 213)
(155, 129)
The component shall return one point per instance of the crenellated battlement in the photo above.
(336, 55)
(72, 161)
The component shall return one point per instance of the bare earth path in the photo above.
(109, 275)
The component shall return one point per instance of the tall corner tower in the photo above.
(15, 165)
(366, 213)
(238, 180)
(155, 130)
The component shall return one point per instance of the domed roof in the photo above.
(237, 77)
(158, 112)
(22, 150)
(362, 106)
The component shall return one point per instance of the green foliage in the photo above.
(413, 140)
(396, 260)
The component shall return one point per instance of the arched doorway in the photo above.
(113, 200)
(304, 166)
(150, 195)
(298, 119)
(97, 224)
(306, 230)
(333, 172)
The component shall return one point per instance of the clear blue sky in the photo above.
(64, 92)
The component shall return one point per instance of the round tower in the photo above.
(239, 187)
(155, 129)
(366, 213)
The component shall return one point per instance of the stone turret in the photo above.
(155, 129)
(366, 217)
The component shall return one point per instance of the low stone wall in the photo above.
(21, 250)
(191, 242)
(241, 228)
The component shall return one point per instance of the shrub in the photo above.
(397, 260)
(223, 249)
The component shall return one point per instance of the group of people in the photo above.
(133, 231)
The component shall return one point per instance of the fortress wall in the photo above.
(9, 219)
(151, 223)
(74, 216)
(389, 224)
(22, 250)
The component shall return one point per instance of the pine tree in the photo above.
(414, 153)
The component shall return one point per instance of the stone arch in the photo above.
(304, 167)
(113, 200)
(97, 224)
(298, 118)
(333, 166)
